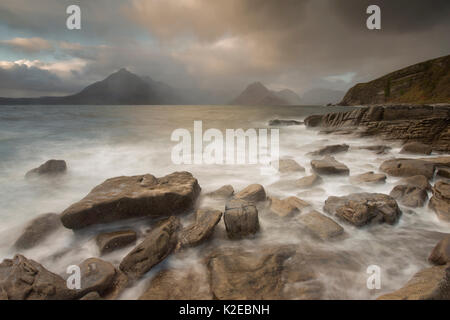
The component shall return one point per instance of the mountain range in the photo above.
(257, 94)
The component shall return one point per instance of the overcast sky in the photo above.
(214, 48)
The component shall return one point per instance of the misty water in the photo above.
(100, 142)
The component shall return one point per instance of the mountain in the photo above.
(258, 95)
(422, 83)
(121, 87)
(321, 96)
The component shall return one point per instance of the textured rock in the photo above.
(416, 148)
(24, 279)
(378, 149)
(320, 226)
(205, 222)
(223, 193)
(417, 181)
(252, 193)
(428, 284)
(440, 201)
(110, 241)
(309, 181)
(131, 197)
(329, 166)
(178, 284)
(333, 149)
(287, 207)
(362, 208)
(93, 295)
(38, 230)
(407, 168)
(410, 196)
(441, 252)
(288, 166)
(443, 172)
(157, 245)
(50, 168)
(369, 178)
(241, 219)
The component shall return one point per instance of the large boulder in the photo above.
(360, 209)
(201, 230)
(368, 178)
(441, 252)
(178, 284)
(131, 197)
(407, 168)
(428, 284)
(417, 181)
(241, 219)
(329, 166)
(440, 201)
(157, 245)
(333, 149)
(416, 148)
(252, 193)
(320, 226)
(409, 196)
(25, 279)
(309, 181)
(38, 230)
(223, 193)
(110, 241)
(49, 169)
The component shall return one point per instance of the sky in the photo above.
(212, 49)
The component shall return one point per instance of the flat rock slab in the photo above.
(241, 219)
(360, 209)
(321, 226)
(333, 149)
(378, 149)
(441, 252)
(369, 178)
(223, 193)
(157, 245)
(110, 241)
(408, 168)
(131, 197)
(329, 166)
(410, 196)
(416, 148)
(309, 181)
(252, 193)
(200, 231)
(38, 230)
(287, 207)
(49, 168)
(440, 201)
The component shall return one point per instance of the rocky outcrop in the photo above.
(157, 245)
(416, 148)
(409, 196)
(333, 149)
(49, 169)
(203, 227)
(329, 166)
(309, 181)
(131, 197)
(241, 219)
(408, 168)
(441, 252)
(287, 207)
(360, 209)
(252, 193)
(440, 201)
(25, 279)
(110, 241)
(369, 178)
(427, 124)
(320, 226)
(223, 193)
(38, 230)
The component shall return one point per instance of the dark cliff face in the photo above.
(425, 82)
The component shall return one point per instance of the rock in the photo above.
(320, 226)
(288, 166)
(178, 284)
(369, 178)
(378, 149)
(441, 252)
(407, 168)
(409, 196)
(440, 201)
(25, 279)
(428, 284)
(93, 295)
(50, 168)
(287, 207)
(309, 181)
(443, 172)
(241, 219)
(284, 123)
(333, 149)
(157, 245)
(223, 193)
(438, 161)
(363, 208)
(38, 230)
(329, 166)
(110, 241)
(131, 197)
(416, 148)
(417, 181)
(252, 193)
(313, 121)
(201, 230)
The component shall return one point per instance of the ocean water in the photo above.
(100, 142)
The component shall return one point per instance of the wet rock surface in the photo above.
(38, 230)
(407, 168)
(329, 166)
(201, 230)
(329, 150)
(241, 219)
(441, 252)
(440, 201)
(288, 166)
(309, 181)
(287, 207)
(110, 241)
(50, 168)
(410, 196)
(223, 193)
(416, 148)
(369, 178)
(252, 193)
(321, 226)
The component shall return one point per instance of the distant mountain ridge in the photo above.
(422, 83)
(256, 94)
(121, 87)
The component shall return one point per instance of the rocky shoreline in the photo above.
(230, 270)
